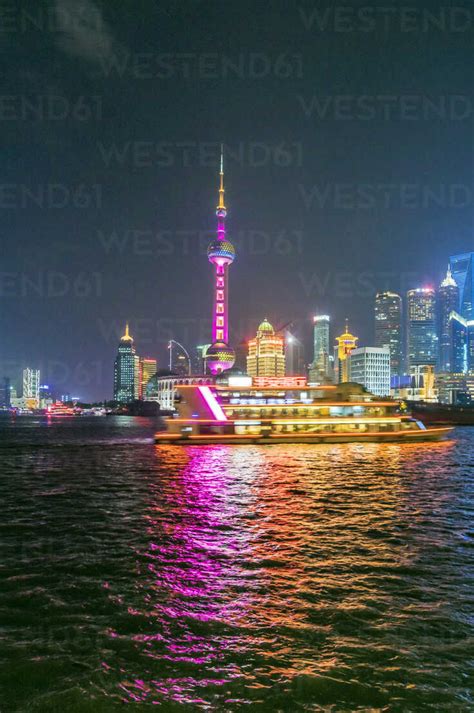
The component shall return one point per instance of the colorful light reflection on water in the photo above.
(225, 578)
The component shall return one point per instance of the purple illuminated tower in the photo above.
(221, 253)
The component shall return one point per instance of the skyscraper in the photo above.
(266, 356)
(147, 370)
(5, 392)
(458, 337)
(126, 371)
(388, 328)
(462, 269)
(346, 343)
(448, 302)
(31, 387)
(221, 253)
(321, 367)
(370, 366)
(422, 327)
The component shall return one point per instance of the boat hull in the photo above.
(422, 435)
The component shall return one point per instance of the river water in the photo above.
(272, 578)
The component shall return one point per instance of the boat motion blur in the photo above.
(289, 411)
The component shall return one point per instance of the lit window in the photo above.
(220, 282)
(219, 295)
(220, 321)
(220, 309)
(220, 334)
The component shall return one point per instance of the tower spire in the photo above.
(221, 205)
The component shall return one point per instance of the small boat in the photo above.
(60, 410)
(282, 413)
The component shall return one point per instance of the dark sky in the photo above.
(349, 166)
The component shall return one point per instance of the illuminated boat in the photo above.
(289, 411)
(60, 410)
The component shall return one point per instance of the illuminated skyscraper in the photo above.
(31, 387)
(388, 328)
(221, 253)
(448, 302)
(462, 269)
(422, 328)
(266, 355)
(346, 343)
(370, 366)
(320, 370)
(126, 371)
(147, 370)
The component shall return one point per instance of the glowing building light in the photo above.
(211, 401)
(221, 253)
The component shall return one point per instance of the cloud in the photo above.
(82, 30)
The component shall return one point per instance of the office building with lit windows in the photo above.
(147, 370)
(321, 370)
(266, 352)
(389, 328)
(462, 270)
(31, 387)
(126, 371)
(370, 366)
(448, 304)
(422, 327)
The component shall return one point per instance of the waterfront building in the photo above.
(346, 343)
(221, 253)
(370, 366)
(126, 371)
(321, 367)
(5, 393)
(266, 352)
(163, 389)
(148, 368)
(458, 337)
(294, 354)
(388, 328)
(448, 303)
(422, 327)
(418, 385)
(462, 269)
(31, 388)
(455, 389)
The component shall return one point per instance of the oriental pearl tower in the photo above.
(221, 253)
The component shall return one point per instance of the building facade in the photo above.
(126, 371)
(266, 352)
(370, 366)
(448, 304)
(31, 387)
(462, 270)
(422, 327)
(148, 368)
(389, 328)
(345, 344)
(321, 367)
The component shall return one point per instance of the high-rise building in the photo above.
(126, 371)
(5, 393)
(266, 355)
(31, 387)
(346, 343)
(458, 337)
(321, 367)
(199, 359)
(221, 253)
(462, 269)
(422, 327)
(148, 369)
(370, 366)
(448, 303)
(388, 328)
(294, 354)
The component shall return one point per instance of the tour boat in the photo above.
(293, 412)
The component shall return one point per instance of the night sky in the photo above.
(348, 142)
